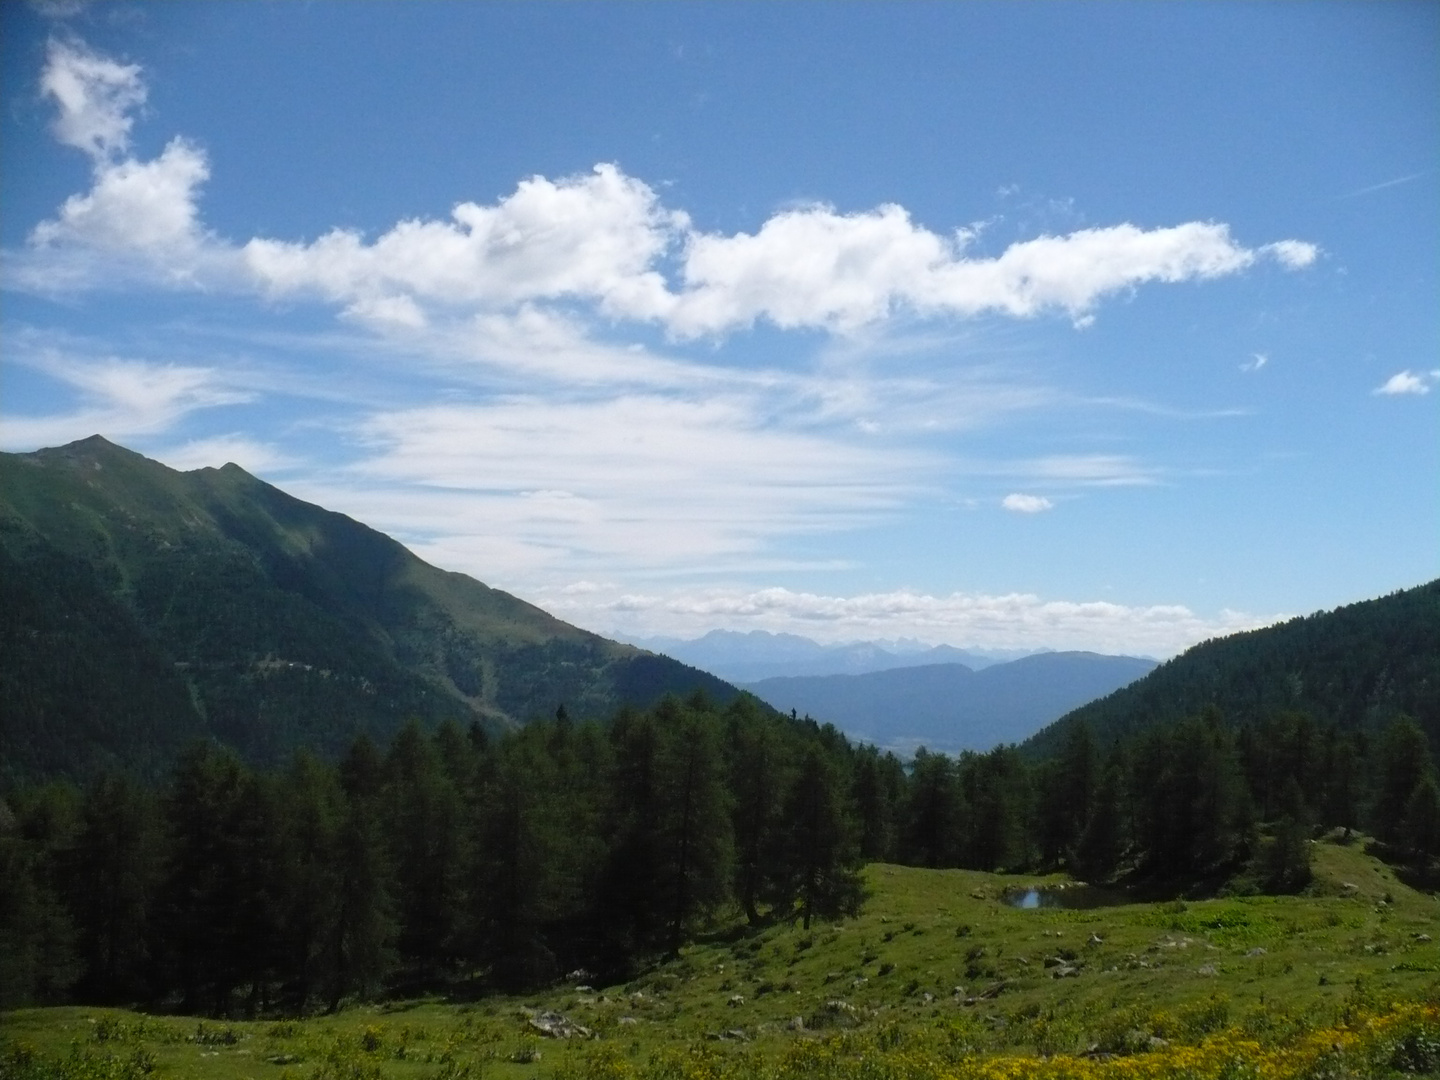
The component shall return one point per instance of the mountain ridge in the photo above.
(1358, 666)
(261, 620)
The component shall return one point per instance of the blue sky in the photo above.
(1106, 326)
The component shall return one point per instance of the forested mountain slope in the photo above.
(1357, 667)
(141, 607)
(950, 707)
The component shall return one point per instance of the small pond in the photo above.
(1074, 897)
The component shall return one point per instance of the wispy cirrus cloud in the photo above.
(119, 397)
(641, 481)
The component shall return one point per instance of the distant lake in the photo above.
(1075, 897)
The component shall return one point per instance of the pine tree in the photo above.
(877, 791)
(822, 857)
(517, 876)
(694, 816)
(117, 856)
(1421, 828)
(205, 894)
(1404, 761)
(1287, 860)
(311, 815)
(357, 950)
(757, 783)
(422, 816)
(1102, 844)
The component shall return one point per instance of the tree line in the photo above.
(459, 860)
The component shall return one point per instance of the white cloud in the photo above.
(137, 207)
(1089, 470)
(593, 237)
(119, 399)
(1015, 620)
(1408, 382)
(602, 239)
(1292, 254)
(94, 96)
(1255, 363)
(1026, 504)
(252, 455)
(640, 481)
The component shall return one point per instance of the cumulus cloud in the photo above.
(140, 207)
(94, 96)
(1408, 382)
(601, 239)
(1026, 504)
(594, 237)
(1014, 620)
(140, 219)
(1292, 254)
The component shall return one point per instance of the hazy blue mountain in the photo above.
(759, 654)
(141, 607)
(952, 707)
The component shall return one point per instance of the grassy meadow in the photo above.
(938, 977)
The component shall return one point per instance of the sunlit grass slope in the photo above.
(938, 977)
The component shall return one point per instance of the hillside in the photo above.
(1358, 667)
(142, 607)
(937, 979)
(950, 707)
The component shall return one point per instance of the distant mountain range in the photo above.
(758, 654)
(141, 608)
(951, 707)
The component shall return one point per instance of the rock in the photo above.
(1065, 971)
(627, 1020)
(1257, 951)
(734, 1035)
(1095, 939)
(1208, 971)
(554, 1025)
(736, 1000)
(1421, 937)
(796, 1023)
(994, 990)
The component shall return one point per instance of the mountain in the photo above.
(758, 654)
(951, 707)
(142, 607)
(1357, 666)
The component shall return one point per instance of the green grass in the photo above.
(936, 958)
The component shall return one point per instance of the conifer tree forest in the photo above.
(458, 861)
